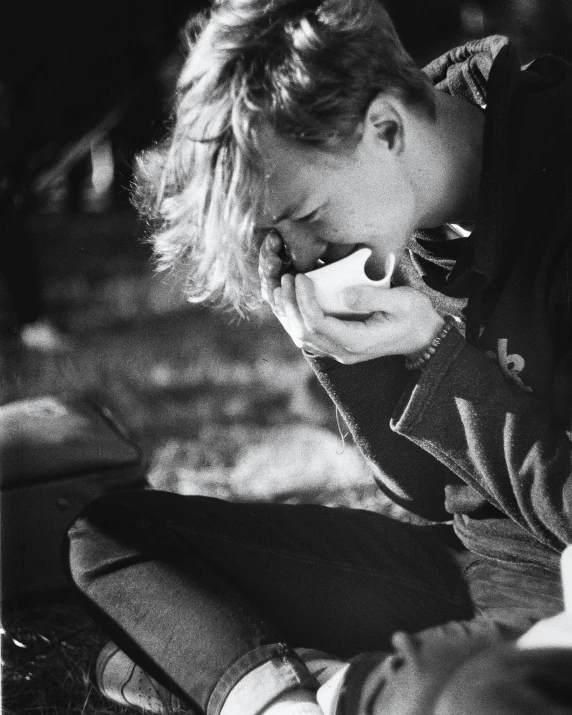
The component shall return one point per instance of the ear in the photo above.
(384, 123)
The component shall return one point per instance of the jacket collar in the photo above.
(464, 71)
(484, 72)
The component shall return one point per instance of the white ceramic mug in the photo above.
(330, 282)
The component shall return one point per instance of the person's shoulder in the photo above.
(543, 100)
(550, 68)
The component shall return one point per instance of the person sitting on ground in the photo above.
(304, 131)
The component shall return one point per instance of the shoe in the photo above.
(124, 682)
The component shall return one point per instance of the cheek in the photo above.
(363, 207)
(397, 211)
(357, 211)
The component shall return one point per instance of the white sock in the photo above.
(295, 702)
(329, 693)
(268, 690)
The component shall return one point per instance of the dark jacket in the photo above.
(483, 435)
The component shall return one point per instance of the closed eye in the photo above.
(312, 216)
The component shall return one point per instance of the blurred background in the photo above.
(210, 399)
(83, 88)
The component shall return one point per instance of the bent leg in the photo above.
(199, 591)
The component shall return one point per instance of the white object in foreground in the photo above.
(555, 632)
(330, 281)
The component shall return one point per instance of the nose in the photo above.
(303, 245)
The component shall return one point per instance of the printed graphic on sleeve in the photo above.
(511, 365)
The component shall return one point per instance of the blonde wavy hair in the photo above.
(308, 69)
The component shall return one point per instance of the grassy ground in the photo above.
(211, 401)
(49, 650)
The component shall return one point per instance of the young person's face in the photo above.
(326, 203)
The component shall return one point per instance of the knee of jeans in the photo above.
(89, 547)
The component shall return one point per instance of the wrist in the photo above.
(419, 359)
(431, 326)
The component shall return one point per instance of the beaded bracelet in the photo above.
(419, 362)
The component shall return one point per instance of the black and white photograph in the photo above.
(286, 357)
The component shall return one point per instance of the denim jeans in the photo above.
(200, 591)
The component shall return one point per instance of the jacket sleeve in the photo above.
(499, 439)
(366, 395)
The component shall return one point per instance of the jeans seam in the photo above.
(316, 561)
(264, 549)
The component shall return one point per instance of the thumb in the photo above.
(368, 299)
